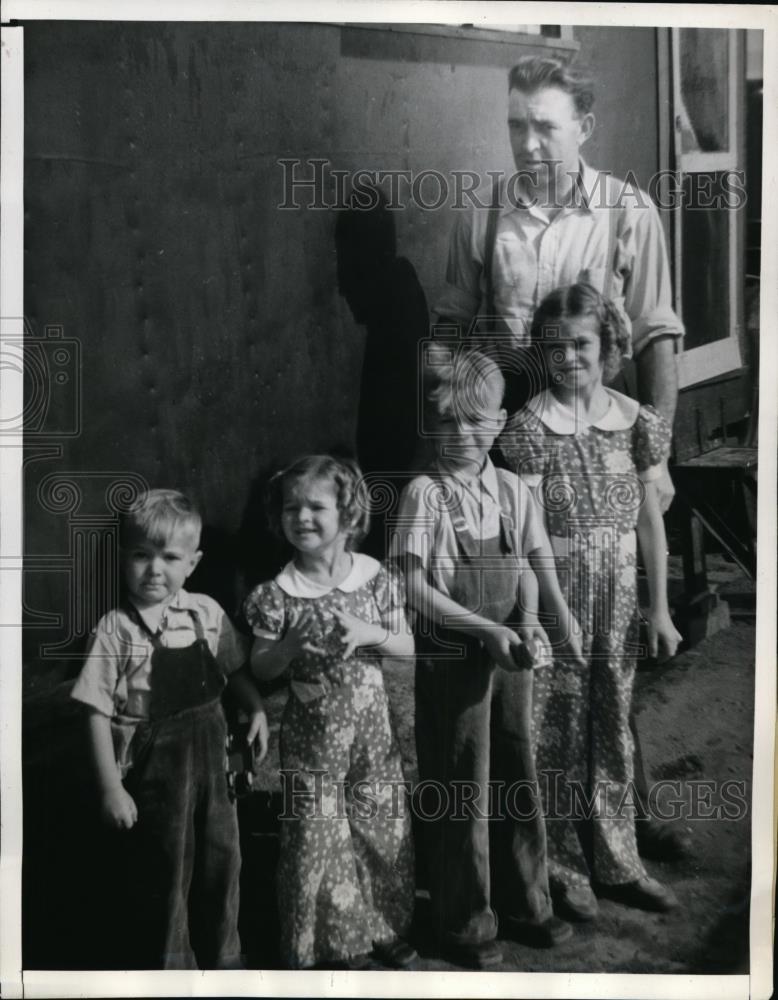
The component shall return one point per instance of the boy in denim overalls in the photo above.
(152, 681)
(464, 532)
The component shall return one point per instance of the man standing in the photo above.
(555, 222)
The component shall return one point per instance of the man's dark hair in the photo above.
(534, 72)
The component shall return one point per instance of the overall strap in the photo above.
(489, 244)
(507, 522)
(615, 213)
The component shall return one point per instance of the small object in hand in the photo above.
(240, 760)
(526, 655)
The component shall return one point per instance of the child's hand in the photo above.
(258, 731)
(500, 643)
(118, 808)
(535, 649)
(299, 636)
(355, 632)
(663, 637)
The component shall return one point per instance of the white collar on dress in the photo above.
(486, 479)
(296, 584)
(620, 415)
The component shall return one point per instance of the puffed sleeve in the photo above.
(106, 660)
(390, 589)
(264, 610)
(650, 443)
(521, 444)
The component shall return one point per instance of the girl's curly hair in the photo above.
(344, 474)
(583, 299)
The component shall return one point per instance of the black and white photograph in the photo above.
(388, 455)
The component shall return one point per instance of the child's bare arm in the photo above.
(242, 686)
(270, 656)
(391, 638)
(437, 607)
(663, 638)
(563, 628)
(117, 807)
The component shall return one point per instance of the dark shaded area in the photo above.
(385, 296)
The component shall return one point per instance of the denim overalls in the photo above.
(473, 724)
(186, 850)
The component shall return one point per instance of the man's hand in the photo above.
(118, 809)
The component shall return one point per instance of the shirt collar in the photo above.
(584, 185)
(485, 480)
(621, 414)
(296, 584)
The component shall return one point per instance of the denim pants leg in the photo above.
(519, 861)
(452, 739)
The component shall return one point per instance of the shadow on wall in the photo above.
(384, 295)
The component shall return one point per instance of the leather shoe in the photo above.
(645, 893)
(552, 931)
(575, 903)
(480, 955)
(662, 842)
(396, 953)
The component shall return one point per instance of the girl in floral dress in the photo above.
(592, 455)
(345, 877)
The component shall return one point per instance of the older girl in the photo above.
(345, 877)
(593, 456)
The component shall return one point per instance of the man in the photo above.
(557, 221)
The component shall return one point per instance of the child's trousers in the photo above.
(186, 849)
(473, 724)
(473, 742)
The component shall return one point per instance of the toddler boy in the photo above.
(152, 681)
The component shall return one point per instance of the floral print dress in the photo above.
(345, 874)
(589, 481)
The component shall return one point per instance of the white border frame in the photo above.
(758, 984)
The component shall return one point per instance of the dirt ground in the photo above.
(696, 721)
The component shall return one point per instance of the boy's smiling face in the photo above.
(154, 573)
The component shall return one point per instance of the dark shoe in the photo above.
(351, 964)
(576, 903)
(483, 955)
(645, 893)
(396, 954)
(552, 931)
(662, 842)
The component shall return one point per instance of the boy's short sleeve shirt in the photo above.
(424, 528)
(115, 678)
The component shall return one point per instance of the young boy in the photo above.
(464, 532)
(152, 681)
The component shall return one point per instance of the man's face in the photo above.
(544, 129)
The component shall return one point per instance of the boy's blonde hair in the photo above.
(467, 388)
(346, 479)
(157, 515)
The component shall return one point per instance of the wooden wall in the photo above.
(212, 338)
